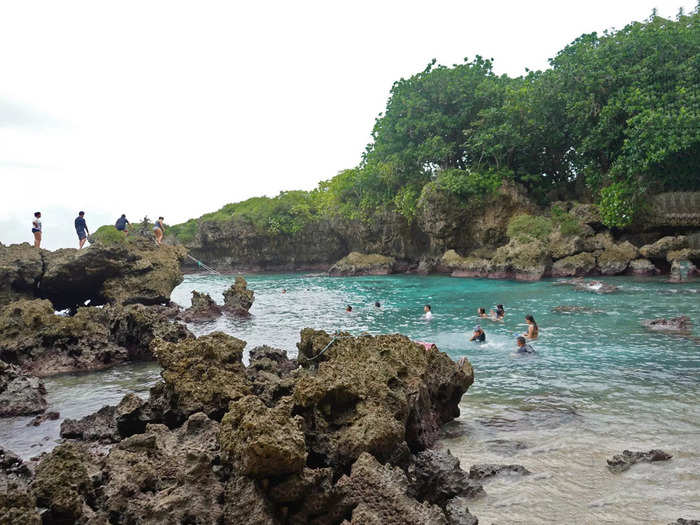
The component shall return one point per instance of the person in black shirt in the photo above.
(479, 335)
(81, 228)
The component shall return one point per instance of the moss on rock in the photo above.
(356, 263)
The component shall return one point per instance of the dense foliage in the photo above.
(615, 117)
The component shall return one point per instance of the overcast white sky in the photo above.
(177, 108)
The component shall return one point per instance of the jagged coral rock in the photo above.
(238, 298)
(20, 393)
(203, 309)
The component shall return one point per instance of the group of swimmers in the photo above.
(81, 228)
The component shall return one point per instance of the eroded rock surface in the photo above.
(621, 462)
(681, 324)
(436, 477)
(203, 309)
(488, 470)
(20, 393)
(356, 263)
(238, 298)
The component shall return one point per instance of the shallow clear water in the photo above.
(598, 384)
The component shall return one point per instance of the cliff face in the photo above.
(441, 223)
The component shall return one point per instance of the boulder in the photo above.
(660, 248)
(20, 393)
(202, 375)
(238, 298)
(203, 309)
(356, 263)
(165, 476)
(138, 271)
(488, 470)
(262, 442)
(622, 462)
(21, 267)
(642, 267)
(598, 242)
(270, 373)
(245, 503)
(561, 245)
(378, 494)
(574, 265)
(436, 477)
(465, 266)
(18, 507)
(586, 213)
(98, 426)
(522, 259)
(616, 258)
(370, 394)
(12, 470)
(681, 324)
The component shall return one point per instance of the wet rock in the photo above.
(642, 267)
(527, 260)
(18, 507)
(47, 416)
(465, 266)
(683, 521)
(21, 266)
(458, 514)
(62, 484)
(99, 426)
(204, 374)
(165, 476)
(574, 265)
(238, 298)
(660, 248)
(20, 393)
(622, 462)
(263, 442)
(356, 263)
(378, 494)
(369, 394)
(203, 309)
(138, 271)
(436, 477)
(488, 470)
(615, 259)
(12, 470)
(582, 285)
(681, 324)
(576, 310)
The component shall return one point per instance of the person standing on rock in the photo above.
(36, 229)
(81, 229)
(122, 224)
(159, 229)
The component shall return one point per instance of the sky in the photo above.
(176, 108)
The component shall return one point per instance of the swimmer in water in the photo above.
(533, 331)
(523, 347)
(428, 312)
(377, 304)
(479, 335)
(481, 312)
(499, 314)
(348, 308)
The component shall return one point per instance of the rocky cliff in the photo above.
(343, 440)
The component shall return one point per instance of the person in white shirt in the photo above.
(428, 312)
(36, 229)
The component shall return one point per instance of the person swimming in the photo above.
(533, 331)
(500, 313)
(523, 347)
(428, 312)
(377, 304)
(481, 312)
(479, 335)
(348, 308)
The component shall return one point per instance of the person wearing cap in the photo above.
(81, 228)
(523, 346)
(479, 335)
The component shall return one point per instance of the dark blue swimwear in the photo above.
(121, 223)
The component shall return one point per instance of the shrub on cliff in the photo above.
(523, 226)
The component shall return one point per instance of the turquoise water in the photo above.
(599, 383)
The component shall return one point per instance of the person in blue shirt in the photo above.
(81, 228)
(524, 347)
(122, 224)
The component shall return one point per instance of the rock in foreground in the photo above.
(219, 443)
(20, 394)
(238, 298)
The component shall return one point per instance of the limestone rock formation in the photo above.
(574, 266)
(489, 470)
(561, 246)
(436, 477)
(203, 309)
(660, 248)
(642, 267)
(356, 263)
(527, 260)
(238, 298)
(615, 259)
(21, 266)
(681, 324)
(20, 394)
(465, 266)
(621, 462)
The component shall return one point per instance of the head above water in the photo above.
(499, 307)
(530, 319)
(520, 340)
(348, 308)
(377, 304)
(427, 308)
(481, 311)
(477, 328)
